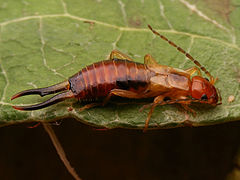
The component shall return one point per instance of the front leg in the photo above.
(159, 100)
(188, 109)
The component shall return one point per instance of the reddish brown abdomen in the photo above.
(97, 80)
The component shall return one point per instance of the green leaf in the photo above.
(45, 42)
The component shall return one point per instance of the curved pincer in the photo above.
(64, 86)
(44, 91)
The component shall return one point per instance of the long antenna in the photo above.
(185, 53)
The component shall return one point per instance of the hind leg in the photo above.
(122, 93)
(88, 106)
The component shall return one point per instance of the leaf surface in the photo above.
(45, 42)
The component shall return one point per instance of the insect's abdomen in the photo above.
(97, 80)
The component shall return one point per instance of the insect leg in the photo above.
(119, 55)
(88, 106)
(149, 60)
(192, 70)
(159, 100)
(155, 103)
(122, 93)
(149, 117)
(187, 108)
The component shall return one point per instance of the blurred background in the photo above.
(182, 153)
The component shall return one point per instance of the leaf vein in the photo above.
(205, 17)
(5, 76)
(43, 53)
(188, 51)
(120, 28)
(161, 7)
(7, 82)
(122, 6)
(64, 7)
(114, 44)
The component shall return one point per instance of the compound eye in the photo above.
(204, 97)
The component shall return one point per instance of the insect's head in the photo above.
(204, 91)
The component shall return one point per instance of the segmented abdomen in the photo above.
(97, 80)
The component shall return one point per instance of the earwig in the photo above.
(121, 76)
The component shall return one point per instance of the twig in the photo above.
(60, 150)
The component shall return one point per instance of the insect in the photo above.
(121, 76)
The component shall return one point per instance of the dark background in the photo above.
(182, 153)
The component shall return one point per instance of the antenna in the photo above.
(185, 53)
